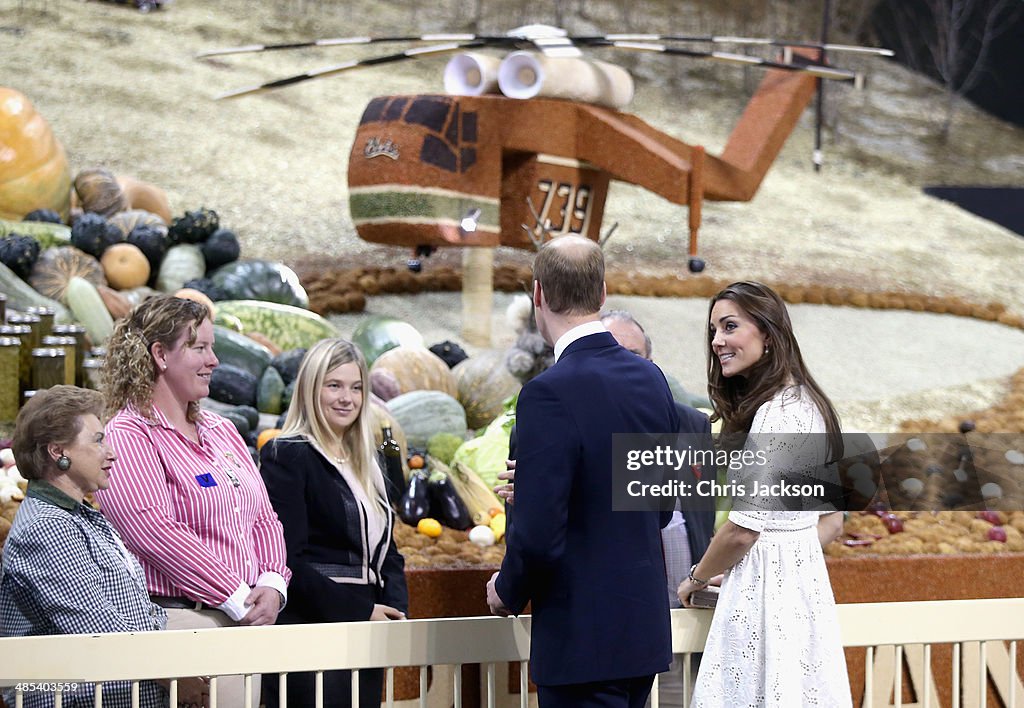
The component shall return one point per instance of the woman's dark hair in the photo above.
(737, 398)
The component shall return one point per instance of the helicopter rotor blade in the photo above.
(726, 39)
(355, 64)
(824, 72)
(341, 42)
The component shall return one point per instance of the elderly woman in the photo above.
(185, 493)
(65, 569)
(326, 485)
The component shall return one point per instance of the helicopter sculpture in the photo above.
(471, 167)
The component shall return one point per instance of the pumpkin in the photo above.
(93, 234)
(125, 266)
(19, 253)
(261, 280)
(266, 436)
(98, 191)
(417, 369)
(423, 414)
(145, 230)
(375, 335)
(182, 263)
(221, 248)
(484, 383)
(34, 172)
(190, 294)
(145, 196)
(195, 226)
(56, 267)
(384, 384)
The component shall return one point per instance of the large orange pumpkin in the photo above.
(34, 172)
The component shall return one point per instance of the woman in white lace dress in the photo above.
(774, 639)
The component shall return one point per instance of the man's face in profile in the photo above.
(627, 335)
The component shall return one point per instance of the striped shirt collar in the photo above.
(44, 491)
(159, 419)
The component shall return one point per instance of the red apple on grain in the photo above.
(893, 523)
(997, 533)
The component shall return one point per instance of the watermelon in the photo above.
(377, 334)
(286, 326)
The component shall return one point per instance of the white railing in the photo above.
(895, 635)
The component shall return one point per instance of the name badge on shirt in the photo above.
(206, 480)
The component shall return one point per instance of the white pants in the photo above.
(230, 689)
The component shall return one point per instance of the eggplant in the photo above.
(449, 508)
(415, 503)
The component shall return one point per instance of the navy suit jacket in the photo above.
(595, 577)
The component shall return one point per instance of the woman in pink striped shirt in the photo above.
(184, 492)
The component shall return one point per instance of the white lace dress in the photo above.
(774, 640)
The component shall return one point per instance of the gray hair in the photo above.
(624, 316)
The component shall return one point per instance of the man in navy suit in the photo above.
(595, 577)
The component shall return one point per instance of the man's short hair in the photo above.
(570, 270)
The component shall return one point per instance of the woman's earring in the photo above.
(63, 463)
(765, 348)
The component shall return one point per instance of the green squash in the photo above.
(377, 334)
(423, 414)
(261, 280)
(484, 384)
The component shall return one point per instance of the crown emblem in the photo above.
(375, 147)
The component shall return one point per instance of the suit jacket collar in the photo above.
(598, 340)
(574, 334)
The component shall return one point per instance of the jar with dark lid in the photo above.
(47, 367)
(68, 345)
(10, 387)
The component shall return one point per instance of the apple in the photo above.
(892, 523)
(997, 533)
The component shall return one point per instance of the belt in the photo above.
(179, 603)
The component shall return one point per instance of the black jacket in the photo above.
(326, 536)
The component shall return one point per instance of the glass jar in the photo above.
(46, 315)
(93, 368)
(68, 345)
(3, 308)
(34, 322)
(81, 347)
(24, 334)
(10, 386)
(47, 367)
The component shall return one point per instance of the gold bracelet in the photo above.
(696, 580)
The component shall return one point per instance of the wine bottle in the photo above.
(391, 464)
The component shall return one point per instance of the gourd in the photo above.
(143, 195)
(19, 253)
(375, 335)
(288, 327)
(422, 414)
(287, 363)
(195, 226)
(99, 192)
(21, 296)
(221, 248)
(55, 268)
(182, 263)
(125, 266)
(48, 235)
(270, 395)
(93, 234)
(34, 172)
(416, 369)
(484, 383)
(230, 384)
(145, 230)
(238, 350)
(200, 297)
(88, 308)
(261, 280)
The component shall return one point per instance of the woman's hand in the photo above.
(383, 613)
(192, 692)
(687, 588)
(264, 603)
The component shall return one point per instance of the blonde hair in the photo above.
(305, 416)
(129, 372)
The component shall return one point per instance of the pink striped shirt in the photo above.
(197, 516)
